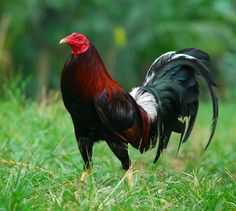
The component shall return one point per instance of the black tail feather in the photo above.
(172, 79)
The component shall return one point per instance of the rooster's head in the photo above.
(78, 42)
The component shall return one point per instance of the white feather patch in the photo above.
(147, 101)
(184, 55)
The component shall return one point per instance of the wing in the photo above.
(120, 114)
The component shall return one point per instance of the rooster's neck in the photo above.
(90, 75)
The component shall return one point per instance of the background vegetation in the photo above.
(40, 165)
(129, 36)
(39, 160)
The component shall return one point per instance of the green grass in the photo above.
(40, 165)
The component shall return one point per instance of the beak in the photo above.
(63, 41)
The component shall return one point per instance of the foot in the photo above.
(129, 176)
(81, 182)
(84, 176)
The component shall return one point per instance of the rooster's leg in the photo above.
(120, 149)
(86, 149)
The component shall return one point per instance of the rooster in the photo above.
(101, 109)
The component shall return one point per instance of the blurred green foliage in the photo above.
(128, 34)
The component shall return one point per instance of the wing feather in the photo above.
(120, 115)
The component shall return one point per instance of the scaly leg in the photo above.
(121, 152)
(86, 150)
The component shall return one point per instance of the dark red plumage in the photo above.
(102, 110)
(91, 95)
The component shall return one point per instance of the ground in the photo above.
(40, 165)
